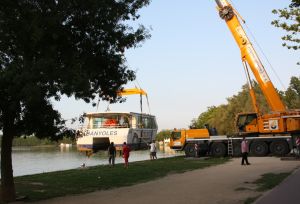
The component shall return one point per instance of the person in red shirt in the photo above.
(126, 151)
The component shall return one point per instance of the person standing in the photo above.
(196, 148)
(298, 146)
(126, 151)
(245, 151)
(112, 154)
(153, 150)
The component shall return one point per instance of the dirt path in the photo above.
(215, 184)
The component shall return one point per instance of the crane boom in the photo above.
(134, 91)
(249, 55)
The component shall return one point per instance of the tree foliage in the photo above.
(54, 48)
(222, 117)
(163, 134)
(204, 118)
(289, 20)
(292, 94)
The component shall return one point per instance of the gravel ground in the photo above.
(216, 184)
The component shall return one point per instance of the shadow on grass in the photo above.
(266, 182)
(251, 200)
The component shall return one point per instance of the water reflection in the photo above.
(32, 160)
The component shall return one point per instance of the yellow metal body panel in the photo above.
(284, 122)
(293, 124)
(131, 92)
(179, 142)
(271, 125)
(195, 133)
(252, 128)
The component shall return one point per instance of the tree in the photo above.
(292, 94)
(223, 117)
(204, 118)
(163, 134)
(54, 48)
(289, 20)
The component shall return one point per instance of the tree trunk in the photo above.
(7, 191)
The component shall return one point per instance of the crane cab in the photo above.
(272, 123)
(247, 123)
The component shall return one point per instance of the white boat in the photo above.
(102, 128)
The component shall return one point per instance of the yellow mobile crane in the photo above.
(269, 132)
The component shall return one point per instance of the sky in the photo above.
(192, 62)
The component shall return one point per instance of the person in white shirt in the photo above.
(153, 150)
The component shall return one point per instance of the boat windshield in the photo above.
(113, 120)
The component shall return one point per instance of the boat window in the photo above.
(153, 122)
(97, 122)
(140, 122)
(121, 121)
(147, 122)
(124, 121)
(150, 123)
(133, 121)
(111, 120)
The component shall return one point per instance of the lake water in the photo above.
(33, 160)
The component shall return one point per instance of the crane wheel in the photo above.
(237, 149)
(218, 149)
(259, 148)
(279, 148)
(189, 150)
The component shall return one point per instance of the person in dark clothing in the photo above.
(112, 154)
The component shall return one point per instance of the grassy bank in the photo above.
(83, 180)
(267, 182)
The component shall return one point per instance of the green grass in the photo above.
(83, 180)
(251, 200)
(242, 189)
(270, 180)
(267, 182)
